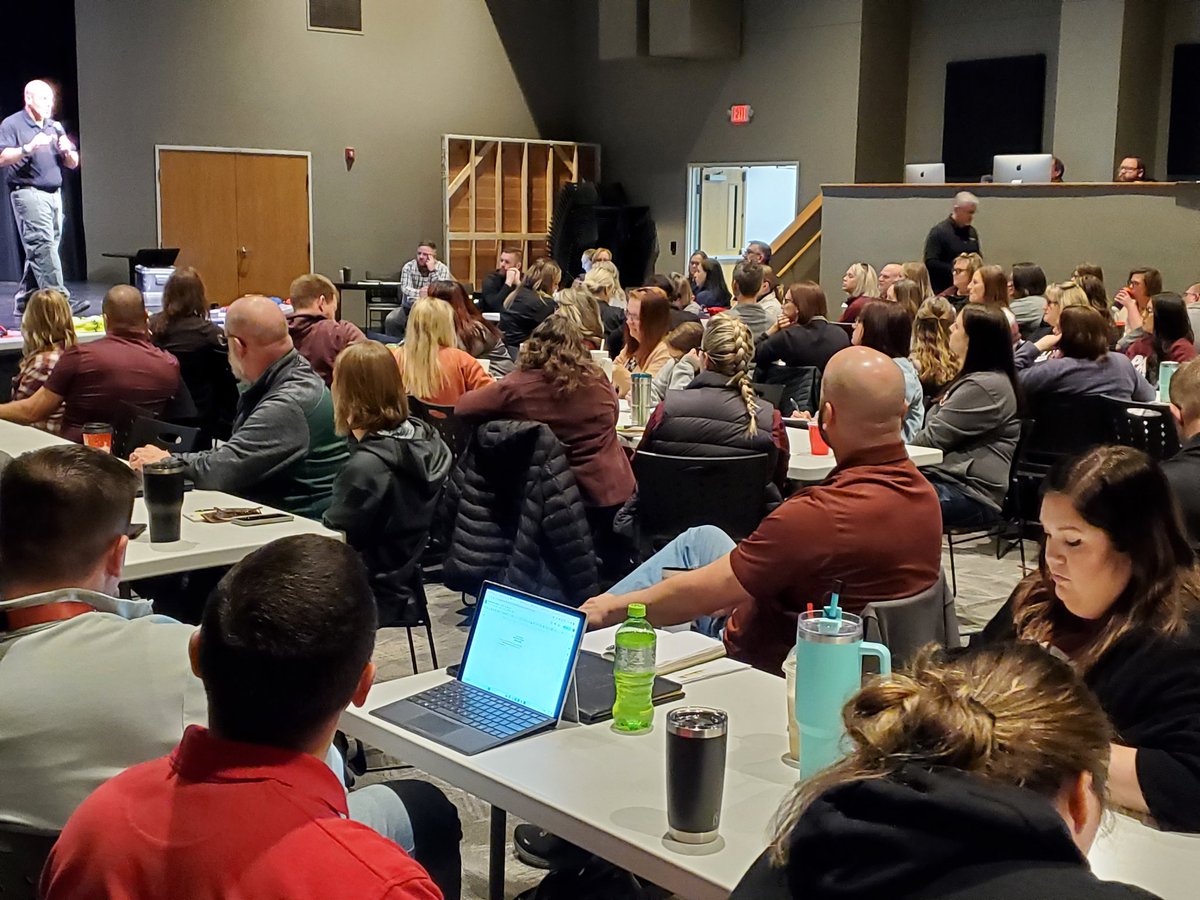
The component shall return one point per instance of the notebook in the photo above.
(597, 691)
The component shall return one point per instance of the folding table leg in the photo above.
(497, 854)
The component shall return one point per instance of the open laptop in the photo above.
(925, 173)
(513, 679)
(1022, 168)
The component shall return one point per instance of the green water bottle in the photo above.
(633, 669)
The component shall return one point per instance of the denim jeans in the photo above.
(694, 549)
(39, 218)
(960, 510)
(377, 806)
(396, 322)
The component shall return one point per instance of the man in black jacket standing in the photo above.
(950, 237)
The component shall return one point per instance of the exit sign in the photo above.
(741, 114)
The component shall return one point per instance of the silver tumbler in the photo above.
(639, 402)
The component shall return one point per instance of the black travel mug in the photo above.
(162, 488)
(345, 274)
(696, 742)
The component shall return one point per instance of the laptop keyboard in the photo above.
(479, 709)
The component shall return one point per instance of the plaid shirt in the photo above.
(32, 374)
(411, 280)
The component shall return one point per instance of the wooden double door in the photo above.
(240, 218)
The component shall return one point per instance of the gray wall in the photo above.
(951, 30)
(799, 70)
(247, 73)
(1118, 227)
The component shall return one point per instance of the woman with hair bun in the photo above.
(977, 775)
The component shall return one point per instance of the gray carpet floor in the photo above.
(983, 585)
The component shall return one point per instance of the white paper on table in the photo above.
(675, 651)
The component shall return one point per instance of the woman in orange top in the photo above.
(647, 321)
(434, 369)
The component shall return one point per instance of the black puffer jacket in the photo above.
(384, 501)
(514, 515)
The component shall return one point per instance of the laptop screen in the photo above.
(522, 648)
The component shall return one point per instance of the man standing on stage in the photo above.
(33, 151)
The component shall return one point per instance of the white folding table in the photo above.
(606, 791)
(203, 545)
(808, 468)
(17, 439)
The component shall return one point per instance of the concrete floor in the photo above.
(983, 585)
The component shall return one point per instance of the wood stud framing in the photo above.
(499, 192)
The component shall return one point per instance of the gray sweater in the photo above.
(975, 425)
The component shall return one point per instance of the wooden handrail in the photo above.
(806, 215)
(795, 259)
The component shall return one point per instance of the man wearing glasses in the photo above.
(1192, 297)
(284, 451)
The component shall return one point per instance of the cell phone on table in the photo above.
(272, 518)
(135, 530)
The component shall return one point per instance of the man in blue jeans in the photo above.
(873, 526)
(34, 149)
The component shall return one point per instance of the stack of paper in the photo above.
(683, 655)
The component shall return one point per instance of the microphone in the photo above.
(58, 127)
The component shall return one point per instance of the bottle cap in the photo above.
(637, 610)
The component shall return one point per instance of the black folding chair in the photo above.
(1012, 512)
(383, 298)
(23, 853)
(772, 393)
(1145, 426)
(800, 387)
(164, 435)
(452, 429)
(676, 493)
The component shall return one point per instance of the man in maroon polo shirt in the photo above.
(98, 381)
(249, 807)
(874, 525)
(316, 332)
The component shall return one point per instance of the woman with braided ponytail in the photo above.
(974, 775)
(718, 414)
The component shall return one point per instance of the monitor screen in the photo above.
(522, 648)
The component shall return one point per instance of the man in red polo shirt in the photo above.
(248, 807)
(99, 381)
(874, 525)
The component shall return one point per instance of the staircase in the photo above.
(796, 253)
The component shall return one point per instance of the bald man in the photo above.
(948, 238)
(874, 525)
(100, 381)
(284, 451)
(34, 149)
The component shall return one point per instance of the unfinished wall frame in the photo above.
(500, 192)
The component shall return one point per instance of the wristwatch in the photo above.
(25, 151)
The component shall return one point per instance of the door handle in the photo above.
(243, 252)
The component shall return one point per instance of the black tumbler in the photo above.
(345, 273)
(162, 488)
(696, 740)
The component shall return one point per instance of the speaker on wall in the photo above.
(335, 15)
(1183, 139)
(992, 106)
